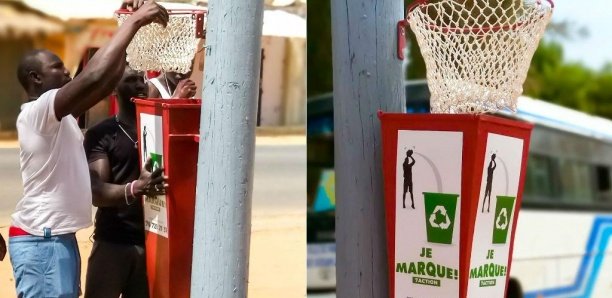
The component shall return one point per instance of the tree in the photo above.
(600, 93)
(568, 84)
(319, 59)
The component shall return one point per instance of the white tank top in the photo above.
(165, 94)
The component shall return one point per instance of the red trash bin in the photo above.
(168, 132)
(453, 189)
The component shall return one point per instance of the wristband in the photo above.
(132, 189)
(125, 194)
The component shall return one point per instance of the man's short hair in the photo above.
(29, 62)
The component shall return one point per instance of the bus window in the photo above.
(541, 182)
(604, 185)
(576, 182)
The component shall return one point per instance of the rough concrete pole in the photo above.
(367, 77)
(227, 142)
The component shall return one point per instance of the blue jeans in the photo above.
(46, 267)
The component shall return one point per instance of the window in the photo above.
(604, 185)
(576, 182)
(541, 182)
(566, 182)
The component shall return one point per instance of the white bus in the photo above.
(565, 224)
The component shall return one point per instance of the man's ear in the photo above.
(34, 78)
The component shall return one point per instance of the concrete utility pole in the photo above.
(367, 77)
(222, 229)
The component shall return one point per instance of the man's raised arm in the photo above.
(101, 75)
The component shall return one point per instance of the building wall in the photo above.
(294, 95)
(272, 82)
(83, 34)
(283, 99)
(12, 94)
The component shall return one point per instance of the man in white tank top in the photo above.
(57, 193)
(172, 85)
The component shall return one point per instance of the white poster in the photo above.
(428, 188)
(496, 208)
(155, 211)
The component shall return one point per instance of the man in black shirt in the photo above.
(117, 261)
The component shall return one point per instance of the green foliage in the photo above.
(568, 84)
(319, 76)
(600, 93)
(416, 64)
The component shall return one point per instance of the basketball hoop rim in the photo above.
(198, 14)
(483, 29)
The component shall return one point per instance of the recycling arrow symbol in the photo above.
(502, 220)
(442, 211)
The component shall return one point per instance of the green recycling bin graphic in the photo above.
(440, 216)
(503, 216)
(156, 161)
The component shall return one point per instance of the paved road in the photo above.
(279, 183)
(280, 178)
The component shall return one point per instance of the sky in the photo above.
(596, 17)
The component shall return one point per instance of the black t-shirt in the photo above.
(125, 223)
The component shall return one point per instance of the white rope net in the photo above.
(477, 53)
(163, 49)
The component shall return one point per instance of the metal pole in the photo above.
(367, 77)
(222, 226)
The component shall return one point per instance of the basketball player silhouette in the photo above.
(490, 169)
(144, 142)
(407, 166)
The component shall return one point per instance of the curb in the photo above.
(8, 135)
(280, 130)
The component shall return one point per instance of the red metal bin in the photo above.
(168, 132)
(453, 188)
